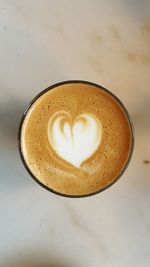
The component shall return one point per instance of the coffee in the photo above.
(76, 138)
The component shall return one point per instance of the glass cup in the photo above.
(86, 83)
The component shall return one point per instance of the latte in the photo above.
(76, 138)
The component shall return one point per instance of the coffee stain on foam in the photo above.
(90, 169)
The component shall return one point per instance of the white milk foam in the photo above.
(74, 141)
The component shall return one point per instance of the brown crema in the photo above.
(103, 166)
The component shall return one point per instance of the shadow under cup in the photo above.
(87, 84)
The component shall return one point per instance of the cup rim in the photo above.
(101, 88)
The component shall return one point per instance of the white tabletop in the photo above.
(43, 42)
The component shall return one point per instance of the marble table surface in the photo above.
(43, 42)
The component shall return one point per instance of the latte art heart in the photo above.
(74, 141)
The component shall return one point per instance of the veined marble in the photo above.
(43, 42)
